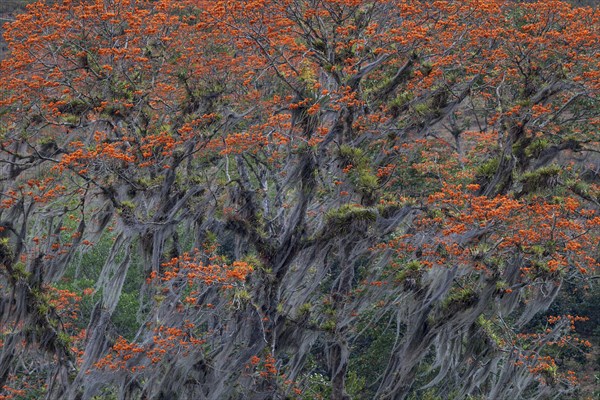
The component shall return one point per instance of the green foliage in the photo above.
(318, 387)
(83, 274)
(125, 316)
(106, 394)
(429, 394)
(367, 362)
(355, 384)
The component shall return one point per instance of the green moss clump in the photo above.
(328, 325)
(487, 326)
(411, 270)
(346, 215)
(400, 101)
(20, 272)
(489, 168)
(126, 204)
(422, 108)
(351, 155)
(6, 253)
(75, 107)
(540, 178)
(366, 181)
(537, 147)
(579, 187)
(305, 309)
(460, 299)
(361, 175)
(426, 68)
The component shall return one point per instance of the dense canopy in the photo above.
(295, 198)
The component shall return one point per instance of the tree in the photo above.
(291, 174)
